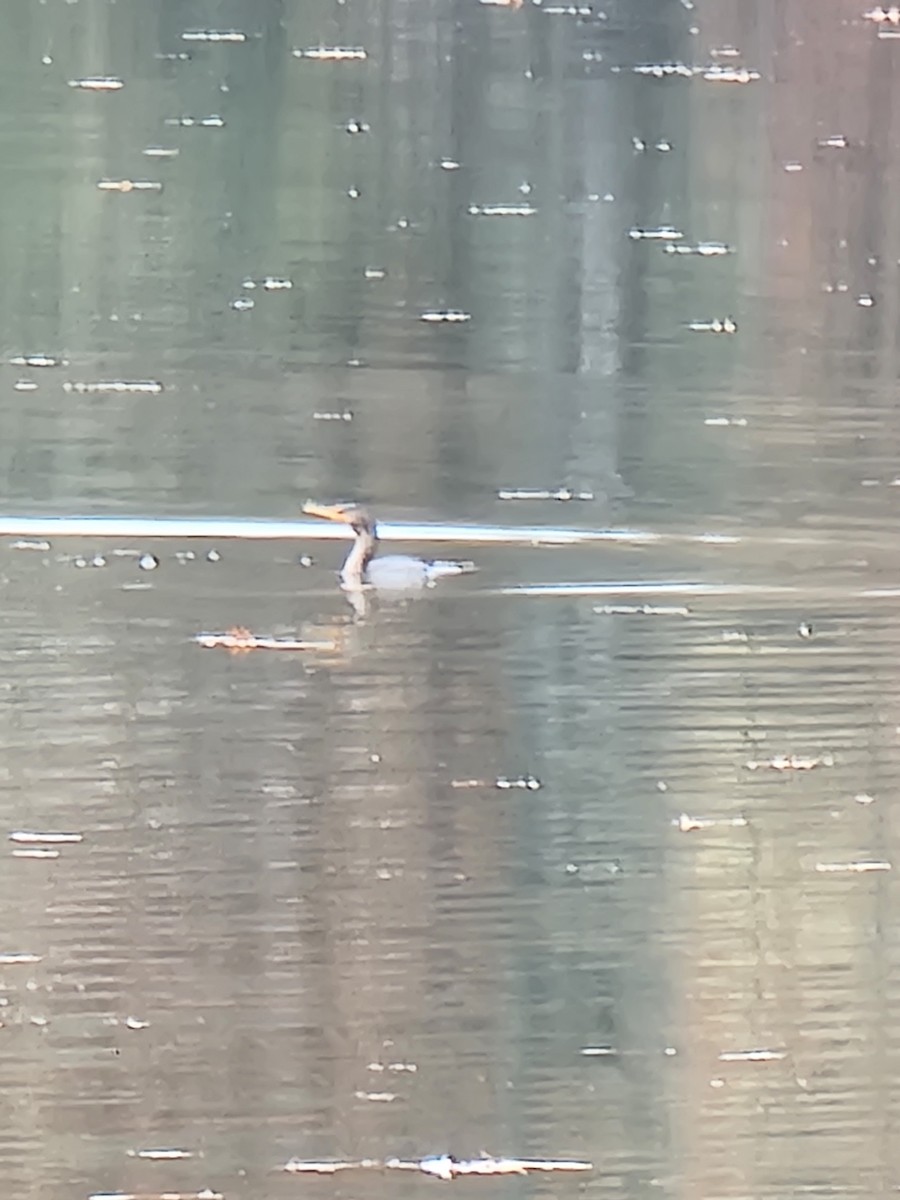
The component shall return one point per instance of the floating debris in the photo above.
(664, 70)
(791, 762)
(740, 422)
(332, 416)
(34, 838)
(445, 1167)
(376, 1097)
(716, 325)
(858, 867)
(37, 360)
(205, 1194)
(685, 824)
(883, 16)
(129, 185)
(9, 959)
(562, 494)
(173, 56)
(864, 798)
(213, 121)
(357, 127)
(865, 300)
(396, 1067)
(719, 74)
(448, 316)
(792, 167)
(442, 1166)
(724, 52)
(147, 387)
(501, 3)
(449, 164)
(161, 1155)
(243, 304)
(213, 35)
(332, 53)
(135, 1023)
(701, 249)
(752, 1055)
(25, 385)
(98, 83)
(276, 283)
(29, 544)
(239, 640)
(374, 273)
(148, 562)
(501, 210)
(160, 152)
(35, 853)
(503, 783)
(662, 233)
(567, 10)
(642, 610)
(599, 1052)
(837, 141)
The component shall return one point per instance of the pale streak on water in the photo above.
(298, 878)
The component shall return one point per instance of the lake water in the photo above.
(587, 856)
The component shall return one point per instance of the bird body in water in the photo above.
(388, 573)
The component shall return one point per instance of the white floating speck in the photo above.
(864, 798)
(129, 185)
(29, 544)
(701, 249)
(213, 556)
(98, 83)
(25, 385)
(375, 273)
(599, 1051)
(357, 127)
(501, 210)
(35, 838)
(716, 325)
(376, 1097)
(148, 387)
(446, 316)
(562, 494)
(858, 867)
(135, 1023)
(791, 762)
(720, 74)
(866, 301)
(275, 283)
(740, 422)
(161, 1155)
(11, 959)
(333, 416)
(37, 360)
(148, 562)
(213, 35)
(792, 167)
(662, 233)
(752, 1056)
(36, 852)
(449, 164)
(213, 121)
(332, 53)
(243, 304)
(160, 152)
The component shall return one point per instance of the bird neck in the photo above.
(361, 554)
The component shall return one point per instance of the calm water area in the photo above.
(585, 856)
